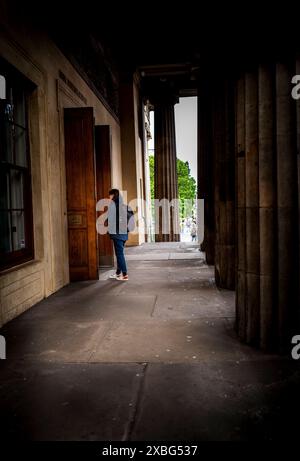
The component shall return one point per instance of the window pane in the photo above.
(13, 137)
(6, 139)
(13, 174)
(19, 107)
(8, 106)
(5, 232)
(20, 146)
(4, 190)
(17, 189)
(18, 230)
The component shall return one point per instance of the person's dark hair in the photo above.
(115, 193)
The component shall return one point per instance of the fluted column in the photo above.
(287, 204)
(165, 169)
(298, 165)
(223, 137)
(267, 189)
(205, 167)
(241, 320)
(252, 207)
(267, 206)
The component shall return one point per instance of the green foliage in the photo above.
(186, 182)
(151, 168)
(186, 186)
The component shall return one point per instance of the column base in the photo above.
(167, 238)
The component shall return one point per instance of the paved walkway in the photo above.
(155, 358)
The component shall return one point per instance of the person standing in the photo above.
(193, 231)
(119, 216)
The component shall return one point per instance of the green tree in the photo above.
(151, 168)
(186, 189)
(186, 186)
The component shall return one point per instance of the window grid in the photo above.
(16, 204)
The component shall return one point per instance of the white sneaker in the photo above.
(122, 278)
(114, 276)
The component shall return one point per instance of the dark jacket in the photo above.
(119, 215)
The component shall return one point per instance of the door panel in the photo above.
(81, 193)
(103, 175)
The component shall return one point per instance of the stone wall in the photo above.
(57, 86)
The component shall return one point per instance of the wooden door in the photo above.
(81, 193)
(103, 179)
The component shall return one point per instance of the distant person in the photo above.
(120, 220)
(193, 231)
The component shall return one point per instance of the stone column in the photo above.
(252, 208)
(287, 204)
(241, 320)
(131, 147)
(165, 169)
(228, 240)
(298, 164)
(267, 211)
(206, 167)
(223, 136)
(267, 187)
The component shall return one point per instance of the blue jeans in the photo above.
(119, 250)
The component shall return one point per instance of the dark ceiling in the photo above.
(168, 32)
(175, 41)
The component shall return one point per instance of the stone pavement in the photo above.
(155, 358)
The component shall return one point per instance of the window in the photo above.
(16, 228)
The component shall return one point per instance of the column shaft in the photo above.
(206, 168)
(223, 135)
(268, 190)
(241, 320)
(287, 203)
(267, 198)
(298, 165)
(165, 180)
(252, 207)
